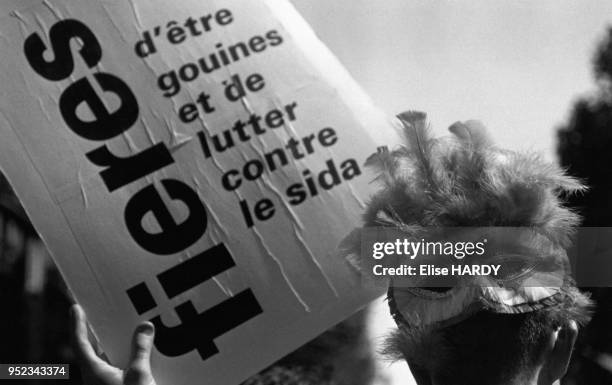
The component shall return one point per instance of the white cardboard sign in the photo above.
(194, 163)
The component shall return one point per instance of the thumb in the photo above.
(139, 369)
(82, 347)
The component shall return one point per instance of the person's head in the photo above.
(493, 349)
(516, 330)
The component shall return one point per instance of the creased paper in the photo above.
(193, 163)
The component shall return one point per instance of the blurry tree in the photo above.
(585, 142)
(585, 149)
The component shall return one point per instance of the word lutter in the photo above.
(197, 331)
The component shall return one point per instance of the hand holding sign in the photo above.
(96, 371)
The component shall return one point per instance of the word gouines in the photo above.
(117, 172)
(170, 83)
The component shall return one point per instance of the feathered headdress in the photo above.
(465, 181)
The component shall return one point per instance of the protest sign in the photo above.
(194, 163)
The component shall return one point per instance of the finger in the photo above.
(139, 370)
(85, 352)
(142, 344)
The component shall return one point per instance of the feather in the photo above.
(472, 132)
(420, 144)
(464, 180)
(384, 163)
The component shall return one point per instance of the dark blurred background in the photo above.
(34, 299)
(585, 149)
